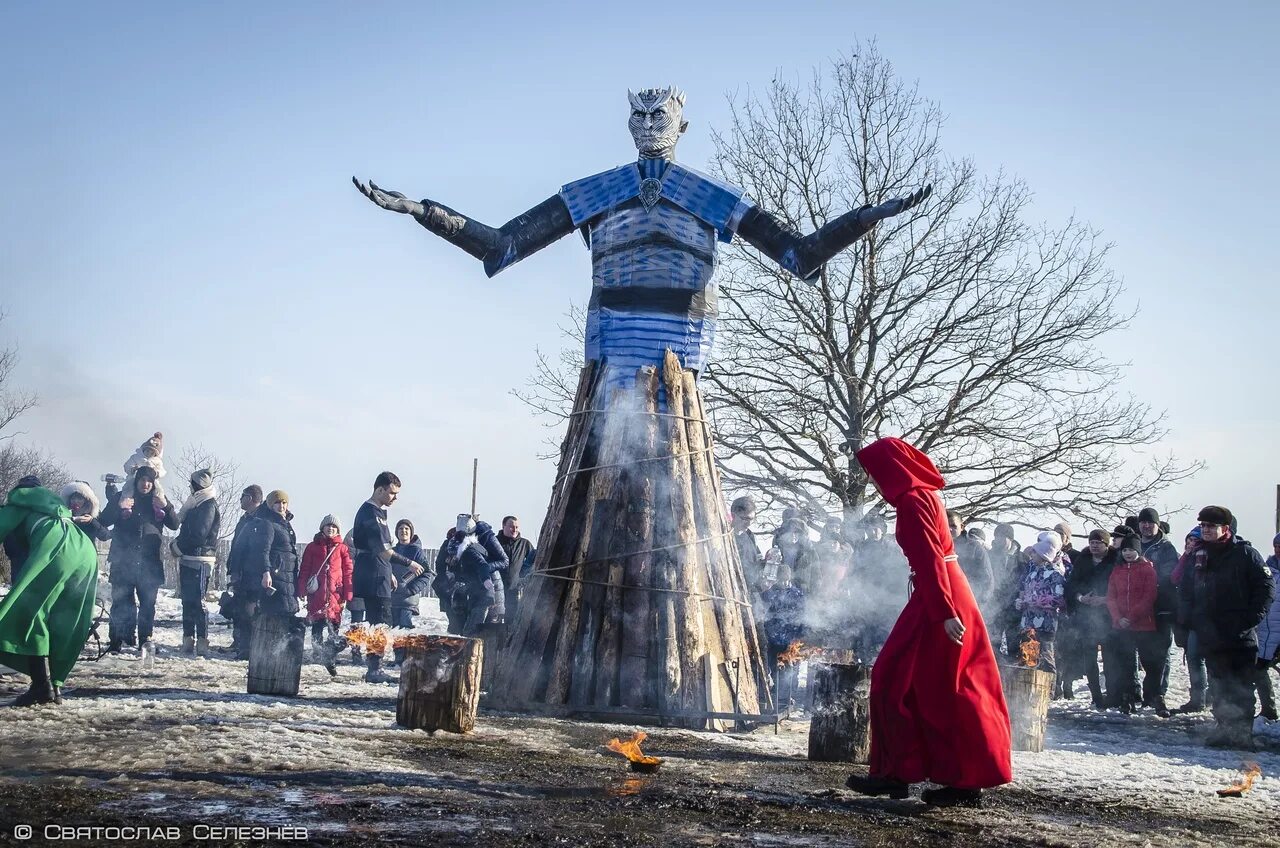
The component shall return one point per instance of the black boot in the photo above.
(374, 673)
(950, 796)
(878, 786)
(41, 691)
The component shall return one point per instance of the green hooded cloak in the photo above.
(49, 611)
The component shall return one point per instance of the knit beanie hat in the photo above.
(144, 471)
(1003, 531)
(30, 481)
(1122, 530)
(1100, 535)
(977, 533)
(1275, 541)
(1048, 544)
(201, 479)
(1149, 513)
(1131, 543)
(402, 522)
(1215, 515)
(276, 496)
(330, 519)
(1194, 533)
(155, 443)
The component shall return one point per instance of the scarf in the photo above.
(197, 497)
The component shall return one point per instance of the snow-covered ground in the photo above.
(158, 740)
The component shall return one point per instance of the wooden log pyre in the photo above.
(440, 683)
(1027, 692)
(637, 597)
(840, 731)
(275, 655)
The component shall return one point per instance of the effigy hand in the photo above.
(393, 201)
(897, 205)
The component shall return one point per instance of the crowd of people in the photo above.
(1111, 612)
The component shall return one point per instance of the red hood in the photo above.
(898, 468)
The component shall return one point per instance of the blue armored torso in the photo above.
(652, 227)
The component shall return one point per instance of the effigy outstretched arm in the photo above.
(804, 256)
(496, 248)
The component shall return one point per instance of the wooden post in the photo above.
(1027, 692)
(440, 684)
(840, 731)
(275, 655)
(1278, 507)
(475, 476)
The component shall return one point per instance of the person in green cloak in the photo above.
(45, 618)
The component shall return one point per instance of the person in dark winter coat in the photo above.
(1269, 640)
(1008, 563)
(327, 559)
(448, 584)
(784, 604)
(1197, 671)
(479, 561)
(1224, 600)
(1162, 553)
(974, 561)
(1087, 603)
(878, 593)
(269, 563)
(795, 547)
(742, 512)
(521, 554)
(412, 583)
(250, 499)
(1131, 600)
(199, 525)
(139, 517)
(83, 503)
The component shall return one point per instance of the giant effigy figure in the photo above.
(638, 603)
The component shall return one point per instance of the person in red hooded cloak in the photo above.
(937, 707)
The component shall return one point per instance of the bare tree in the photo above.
(959, 326)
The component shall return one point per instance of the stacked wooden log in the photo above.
(637, 599)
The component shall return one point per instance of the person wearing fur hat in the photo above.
(1131, 600)
(83, 504)
(139, 517)
(199, 525)
(326, 564)
(1043, 596)
(1224, 600)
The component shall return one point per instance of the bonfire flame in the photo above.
(1030, 649)
(793, 654)
(1251, 773)
(631, 750)
(377, 638)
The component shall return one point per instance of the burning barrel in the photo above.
(439, 683)
(275, 655)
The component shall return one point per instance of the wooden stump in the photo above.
(637, 598)
(1027, 692)
(840, 731)
(440, 684)
(275, 655)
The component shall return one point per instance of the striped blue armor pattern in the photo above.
(652, 227)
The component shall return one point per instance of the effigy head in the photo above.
(657, 119)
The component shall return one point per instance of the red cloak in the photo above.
(937, 708)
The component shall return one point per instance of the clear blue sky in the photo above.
(181, 248)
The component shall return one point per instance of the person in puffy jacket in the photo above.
(1131, 600)
(447, 585)
(1043, 596)
(327, 559)
(83, 503)
(480, 561)
(269, 563)
(411, 583)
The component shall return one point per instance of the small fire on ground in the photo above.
(798, 651)
(640, 761)
(377, 638)
(1251, 773)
